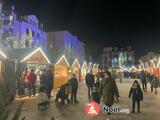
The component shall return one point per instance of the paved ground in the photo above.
(149, 107)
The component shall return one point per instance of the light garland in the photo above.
(38, 49)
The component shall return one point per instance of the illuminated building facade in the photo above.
(63, 42)
(117, 57)
(21, 32)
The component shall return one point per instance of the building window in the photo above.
(33, 33)
(30, 21)
(51, 46)
(27, 31)
(36, 25)
(38, 35)
(27, 43)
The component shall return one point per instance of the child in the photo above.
(63, 93)
(137, 95)
(95, 95)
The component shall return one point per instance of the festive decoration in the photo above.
(92, 109)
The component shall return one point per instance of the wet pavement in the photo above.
(149, 107)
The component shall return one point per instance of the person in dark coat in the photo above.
(97, 83)
(108, 89)
(95, 95)
(49, 82)
(63, 93)
(155, 84)
(74, 87)
(90, 82)
(137, 95)
(143, 79)
(151, 77)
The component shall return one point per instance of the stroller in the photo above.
(42, 99)
(63, 93)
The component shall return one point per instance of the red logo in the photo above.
(92, 109)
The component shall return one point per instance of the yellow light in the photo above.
(70, 71)
(38, 49)
(3, 54)
(76, 61)
(63, 57)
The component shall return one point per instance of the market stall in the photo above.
(84, 70)
(36, 60)
(2, 63)
(76, 69)
(31, 58)
(7, 79)
(61, 72)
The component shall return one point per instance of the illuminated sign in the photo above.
(92, 109)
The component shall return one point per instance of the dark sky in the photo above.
(98, 23)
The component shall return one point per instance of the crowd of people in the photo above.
(32, 82)
(152, 79)
(100, 86)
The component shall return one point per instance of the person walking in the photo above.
(31, 82)
(120, 77)
(95, 95)
(49, 82)
(108, 89)
(151, 77)
(155, 84)
(137, 95)
(144, 81)
(90, 82)
(74, 87)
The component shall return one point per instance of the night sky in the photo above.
(98, 23)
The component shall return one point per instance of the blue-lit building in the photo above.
(63, 42)
(21, 32)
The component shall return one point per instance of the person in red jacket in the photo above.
(31, 82)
